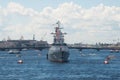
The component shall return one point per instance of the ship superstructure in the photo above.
(59, 51)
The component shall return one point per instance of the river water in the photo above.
(84, 65)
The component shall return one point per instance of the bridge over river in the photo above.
(96, 48)
(70, 47)
(22, 48)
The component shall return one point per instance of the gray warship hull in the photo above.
(58, 54)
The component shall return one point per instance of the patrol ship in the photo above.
(59, 51)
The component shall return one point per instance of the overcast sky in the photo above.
(86, 21)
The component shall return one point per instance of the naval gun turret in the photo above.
(59, 51)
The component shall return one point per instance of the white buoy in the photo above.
(20, 61)
(106, 62)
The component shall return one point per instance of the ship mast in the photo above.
(58, 35)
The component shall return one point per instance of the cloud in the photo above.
(95, 24)
(13, 7)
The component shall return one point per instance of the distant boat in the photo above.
(114, 51)
(13, 51)
(24, 49)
